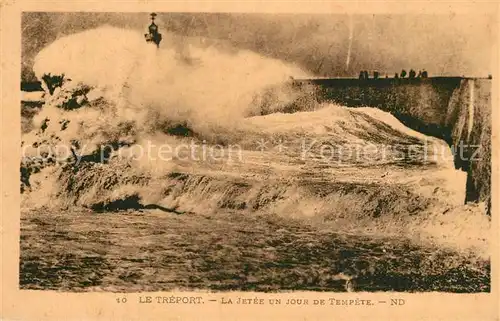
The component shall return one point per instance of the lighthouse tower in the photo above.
(153, 35)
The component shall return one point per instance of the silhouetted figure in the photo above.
(412, 74)
(419, 75)
(403, 73)
(375, 75)
(386, 76)
(424, 74)
(367, 76)
(361, 75)
(396, 75)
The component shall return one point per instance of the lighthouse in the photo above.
(153, 35)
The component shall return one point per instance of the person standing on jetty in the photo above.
(363, 74)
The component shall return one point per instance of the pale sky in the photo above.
(444, 45)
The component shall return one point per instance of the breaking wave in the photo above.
(273, 148)
(184, 81)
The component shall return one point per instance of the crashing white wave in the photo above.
(202, 85)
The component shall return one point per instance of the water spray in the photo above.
(351, 34)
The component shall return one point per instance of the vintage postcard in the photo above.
(243, 161)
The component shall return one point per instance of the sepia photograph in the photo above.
(256, 152)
